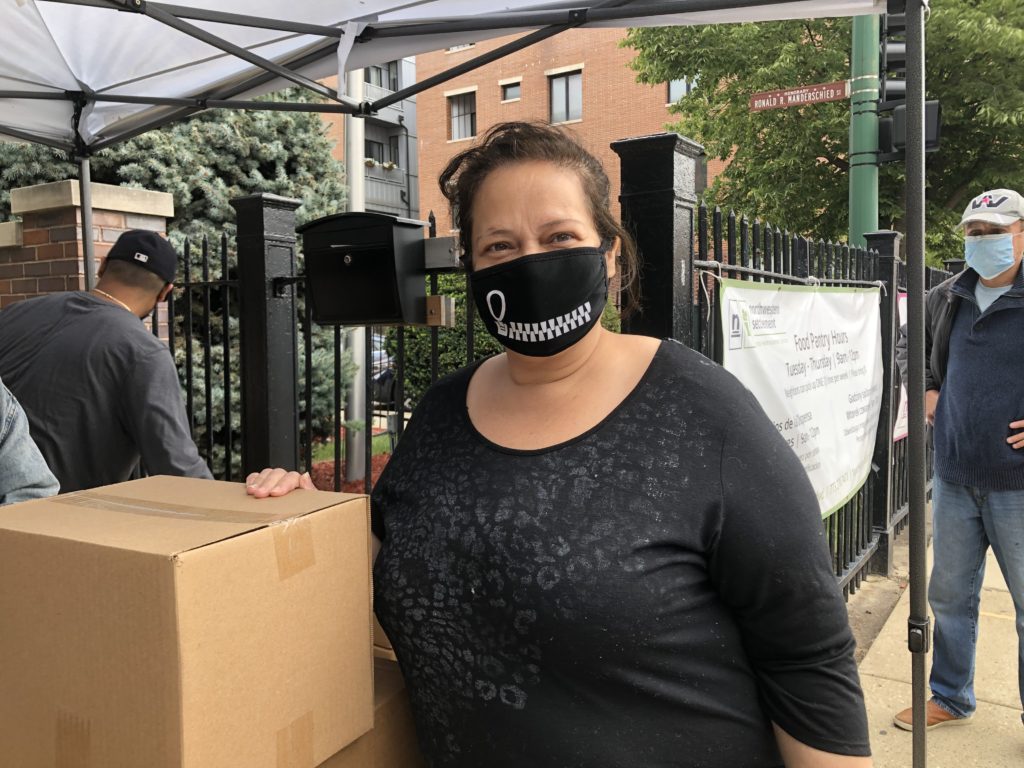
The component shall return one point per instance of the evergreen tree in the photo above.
(204, 162)
(789, 166)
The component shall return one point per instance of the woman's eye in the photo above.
(562, 237)
(496, 247)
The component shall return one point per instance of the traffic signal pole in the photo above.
(863, 129)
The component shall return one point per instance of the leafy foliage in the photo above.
(204, 163)
(790, 165)
(451, 342)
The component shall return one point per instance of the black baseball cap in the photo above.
(148, 250)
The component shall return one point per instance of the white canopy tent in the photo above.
(81, 75)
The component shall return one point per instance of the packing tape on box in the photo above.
(74, 741)
(111, 503)
(293, 544)
(295, 743)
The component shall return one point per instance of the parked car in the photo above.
(382, 372)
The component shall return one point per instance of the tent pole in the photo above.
(88, 242)
(919, 625)
(356, 405)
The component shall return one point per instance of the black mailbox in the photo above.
(365, 269)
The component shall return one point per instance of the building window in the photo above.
(395, 157)
(566, 97)
(679, 88)
(374, 150)
(384, 75)
(510, 91)
(462, 114)
(461, 47)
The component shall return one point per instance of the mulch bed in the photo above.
(323, 474)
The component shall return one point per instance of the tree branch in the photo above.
(837, 162)
(955, 199)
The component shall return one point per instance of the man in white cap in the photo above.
(975, 402)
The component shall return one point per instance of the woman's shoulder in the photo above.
(693, 374)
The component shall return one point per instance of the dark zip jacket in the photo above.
(940, 308)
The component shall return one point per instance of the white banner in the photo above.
(812, 356)
(901, 426)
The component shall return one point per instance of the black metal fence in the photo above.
(733, 246)
(205, 334)
(202, 333)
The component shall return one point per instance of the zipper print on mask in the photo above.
(546, 329)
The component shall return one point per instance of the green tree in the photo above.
(204, 162)
(789, 166)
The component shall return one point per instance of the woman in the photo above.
(596, 549)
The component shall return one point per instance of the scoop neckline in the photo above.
(497, 447)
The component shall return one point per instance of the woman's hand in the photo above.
(276, 482)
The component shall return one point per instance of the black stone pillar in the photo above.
(662, 176)
(267, 324)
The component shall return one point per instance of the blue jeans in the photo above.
(966, 521)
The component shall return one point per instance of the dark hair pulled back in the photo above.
(517, 142)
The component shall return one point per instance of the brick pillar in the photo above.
(44, 252)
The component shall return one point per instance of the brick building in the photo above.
(580, 78)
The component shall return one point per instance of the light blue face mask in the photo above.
(989, 255)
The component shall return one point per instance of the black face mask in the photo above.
(541, 304)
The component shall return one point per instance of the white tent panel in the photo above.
(30, 59)
(53, 46)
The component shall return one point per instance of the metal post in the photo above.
(661, 179)
(887, 243)
(269, 345)
(864, 128)
(355, 398)
(88, 242)
(919, 625)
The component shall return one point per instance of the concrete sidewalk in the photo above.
(995, 738)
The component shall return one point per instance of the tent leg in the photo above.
(357, 406)
(919, 625)
(88, 242)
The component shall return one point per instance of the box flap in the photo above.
(159, 515)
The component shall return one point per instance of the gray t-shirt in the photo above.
(100, 391)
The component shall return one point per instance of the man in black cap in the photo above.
(100, 391)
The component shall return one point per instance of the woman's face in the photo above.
(531, 207)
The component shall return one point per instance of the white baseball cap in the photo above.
(997, 206)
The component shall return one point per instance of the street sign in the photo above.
(797, 97)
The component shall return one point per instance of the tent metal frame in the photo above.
(552, 22)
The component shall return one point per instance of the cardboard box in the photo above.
(392, 742)
(174, 622)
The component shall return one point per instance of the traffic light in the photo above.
(892, 58)
(892, 93)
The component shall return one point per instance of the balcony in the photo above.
(389, 114)
(384, 188)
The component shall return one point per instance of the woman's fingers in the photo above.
(275, 481)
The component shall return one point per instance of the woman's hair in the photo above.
(517, 142)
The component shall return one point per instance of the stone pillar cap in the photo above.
(105, 197)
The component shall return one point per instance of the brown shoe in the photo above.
(936, 717)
